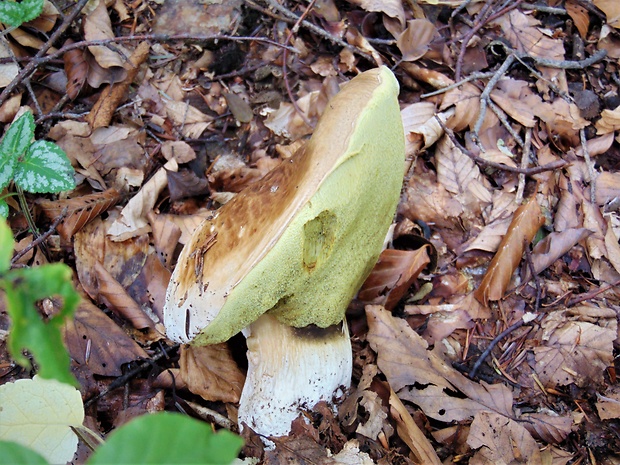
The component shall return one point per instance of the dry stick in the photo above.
(40, 238)
(591, 294)
(30, 67)
(589, 164)
(471, 77)
(491, 164)
(494, 342)
(318, 31)
(504, 120)
(122, 380)
(530, 265)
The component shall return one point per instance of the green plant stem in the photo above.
(26, 211)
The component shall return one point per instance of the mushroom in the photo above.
(282, 260)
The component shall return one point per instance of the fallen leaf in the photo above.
(93, 339)
(525, 223)
(39, 413)
(501, 440)
(211, 372)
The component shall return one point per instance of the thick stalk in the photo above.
(290, 370)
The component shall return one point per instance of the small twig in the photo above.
(122, 380)
(490, 164)
(208, 414)
(471, 77)
(589, 164)
(38, 240)
(544, 9)
(590, 295)
(494, 342)
(503, 118)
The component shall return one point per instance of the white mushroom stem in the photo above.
(290, 370)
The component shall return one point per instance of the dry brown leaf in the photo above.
(166, 236)
(466, 101)
(124, 260)
(611, 8)
(549, 427)
(415, 40)
(501, 440)
(97, 26)
(391, 8)
(525, 223)
(185, 183)
(517, 100)
(80, 210)
(609, 122)
(608, 405)
(94, 340)
(76, 69)
(458, 173)
(410, 433)
(612, 246)
(579, 15)
(181, 151)
(554, 246)
(421, 129)
(191, 121)
(607, 187)
(393, 275)
(132, 221)
(211, 372)
(149, 287)
(574, 351)
(423, 377)
(115, 297)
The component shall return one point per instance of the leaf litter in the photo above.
(503, 351)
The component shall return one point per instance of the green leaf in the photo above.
(28, 331)
(14, 144)
(39, 413)
(12, 453)
(167, 438)
(45, 168)
(6, 246)
(14, 14)
(4, 209)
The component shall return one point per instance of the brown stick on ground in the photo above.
(114, 94)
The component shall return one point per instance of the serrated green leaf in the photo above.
(168, 438)
(14, 14)
(44, 169)
(6, 245)
(12, 453)
(4, 209)
(39, 413)
(23, 288)
(19, 135)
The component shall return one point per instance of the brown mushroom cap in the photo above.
(299, 242)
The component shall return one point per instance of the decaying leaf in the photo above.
(526, 221)
(575, 348)
(96, 341)
(501, 440)
(80, 210)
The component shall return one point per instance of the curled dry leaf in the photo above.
(185, 183)
(394, 273)
(526, 221)
(80, 210)
(549, 427)
(132, 221)
(415, 40)
(410, 433)
(554, 246)
(93, 339)
(211, 372)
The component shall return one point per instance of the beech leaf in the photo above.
(526, 221)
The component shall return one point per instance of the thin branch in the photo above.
(39, 239)
(589, 164)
